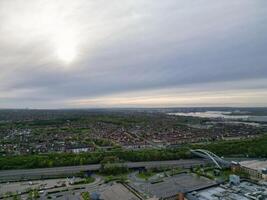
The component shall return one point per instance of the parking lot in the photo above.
(20, 187)
(61, 189)
(172, 185)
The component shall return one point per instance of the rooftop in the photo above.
(254, 164)
(244, 191)
(170, 186)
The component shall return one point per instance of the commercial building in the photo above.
(171, 187)
(256, 169)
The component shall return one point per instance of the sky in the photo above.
(133, 53)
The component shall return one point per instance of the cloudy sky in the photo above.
(132, 53)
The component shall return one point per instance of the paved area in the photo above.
(47, 186)
(111, 191)
(26, 185)
(117, 192)
(60, 189)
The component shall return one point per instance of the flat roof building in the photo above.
(244, 191)
(255, 168)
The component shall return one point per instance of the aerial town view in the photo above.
(133, 100)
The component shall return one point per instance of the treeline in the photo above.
(256, 147)
(68, 159)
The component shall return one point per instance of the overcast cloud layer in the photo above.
(85, 53)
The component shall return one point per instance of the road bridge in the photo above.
(218, 161)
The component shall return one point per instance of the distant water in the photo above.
(258, 118)
(222, 115)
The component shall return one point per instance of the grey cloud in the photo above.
(135, 45)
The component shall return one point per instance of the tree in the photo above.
(16, 197)
(33, 194)
(86, 196)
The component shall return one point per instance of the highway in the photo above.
(27, 174)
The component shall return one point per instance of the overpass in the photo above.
(28, 174)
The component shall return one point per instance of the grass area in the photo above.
(163, 171)
(213, 173)
(85, 181)
(122, 178)
(225, 174)
(145, 175)
(175, 171)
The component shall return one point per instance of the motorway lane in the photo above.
(10, 175)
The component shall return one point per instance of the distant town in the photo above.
(134, 154)
(35, 132)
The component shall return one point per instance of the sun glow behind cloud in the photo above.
(68, 53)
(65, 45)
(60, 32)
(49, 25)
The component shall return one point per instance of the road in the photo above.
(11, 175)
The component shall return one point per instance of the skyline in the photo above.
(88, 54)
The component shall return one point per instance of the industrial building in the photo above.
(243, 191)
